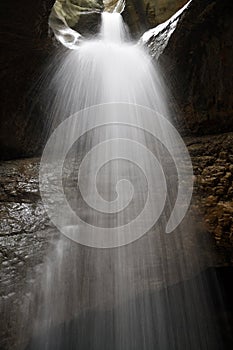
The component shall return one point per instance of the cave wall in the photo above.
(141, 15)
(197, 64)
(25, 48)
(212, 159)
(27, 236)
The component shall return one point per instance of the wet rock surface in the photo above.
(139, 15)
(197, 64)
(19, 192)
(24, 238)
(23, 212)
(26, 234)
(216, 330)
(213, 168)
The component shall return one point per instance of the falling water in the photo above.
(142, 295)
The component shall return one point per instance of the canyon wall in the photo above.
(198, 66)
(26, 48)
(143, 14)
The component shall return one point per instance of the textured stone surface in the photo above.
(139, 15)
(143, 14)
(23, 214)
(22, 211)
(26, 234)
(82, 15)
(212, 159)
(197, 64)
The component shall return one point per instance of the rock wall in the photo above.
(197, 61)
(139, 15)
(213, 187)
(143, 14)
(26, 46)
(26, 234)
(198, 65)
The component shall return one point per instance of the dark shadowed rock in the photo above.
(197, 62)
(143, 14)
(26, 46)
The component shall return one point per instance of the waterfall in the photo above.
(126, 184)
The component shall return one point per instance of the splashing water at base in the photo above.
(143, 295)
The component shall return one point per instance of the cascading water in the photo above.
(132, 296)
